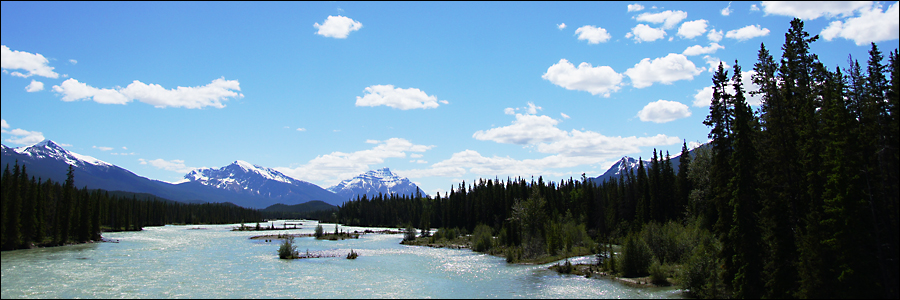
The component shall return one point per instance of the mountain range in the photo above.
(241, 183)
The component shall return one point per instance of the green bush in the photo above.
(482, 238)
(700, 275)
(635, 258)
(287, 248)
(410, 234)
(658, 273)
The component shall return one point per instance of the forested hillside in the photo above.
(48, 213)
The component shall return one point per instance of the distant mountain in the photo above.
(618, 169)
(244, 178)
(372, 183)
(48, 160)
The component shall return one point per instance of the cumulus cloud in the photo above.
(703, 97)
(398, 98)
(635, 7)
(600, 80)
(645, 33)
(526, 129)
(746, 33)
(567, 149)
(336, 166)
(338, 27)
(72, 61)
(33, 63)
(692, 29)
(668, 69)
(561, 26)
(727, 10)
(713, 63)
(664, 111)
(872, 25)
(594, 35)
(101, 148)
(714, 36)
(809, 10)
(669, 18)
(34, 86)
(212, 94)
(565, 116)
(22, 136)
(697, 49)
(175, 165)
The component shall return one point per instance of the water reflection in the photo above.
(179, 261)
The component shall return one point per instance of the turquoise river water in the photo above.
(211, 261)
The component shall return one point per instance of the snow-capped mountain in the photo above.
(48, 149)
(48, 160)
(245, 178)
(619, 169)
(372, 183)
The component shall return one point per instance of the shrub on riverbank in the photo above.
(288, 249)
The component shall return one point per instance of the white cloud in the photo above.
(714, 36)
(645, 33)
(697, 49)
(337, 27)
(703, 96)
(727, 10)
(568, 149)
(398, 98)
(664, 111)
(336, 166)
(526, 129)
(22, 137)
(565, 116)
(692, 29)
(594, 35)
(872, 25)
(809, 10)
(635, 7)
(693, 145)
(175, 165)
(34, 86)
(561, 26)
(301, 129)
(212, 94)
(753, 7)
(34, 63)
(669, 18)
(713, 63)
(3, 124)
(415, 155)
(72, 61)
(746, 33)
(101, 148)
(600, 80)
(668, 69)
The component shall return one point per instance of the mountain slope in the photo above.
(247, 179)
(372, 183)
(48, 160)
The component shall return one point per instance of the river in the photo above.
(211, 261)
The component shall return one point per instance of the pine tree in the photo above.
(744, 233)
(683, 185)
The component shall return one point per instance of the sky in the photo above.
(439, 92)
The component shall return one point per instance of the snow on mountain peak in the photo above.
(373, 182)
(49, 149)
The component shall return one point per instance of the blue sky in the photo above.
(439, 92)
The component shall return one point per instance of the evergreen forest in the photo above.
(48, 213)
(797, 199)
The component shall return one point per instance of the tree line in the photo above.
(796, 199)
(48, 213)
